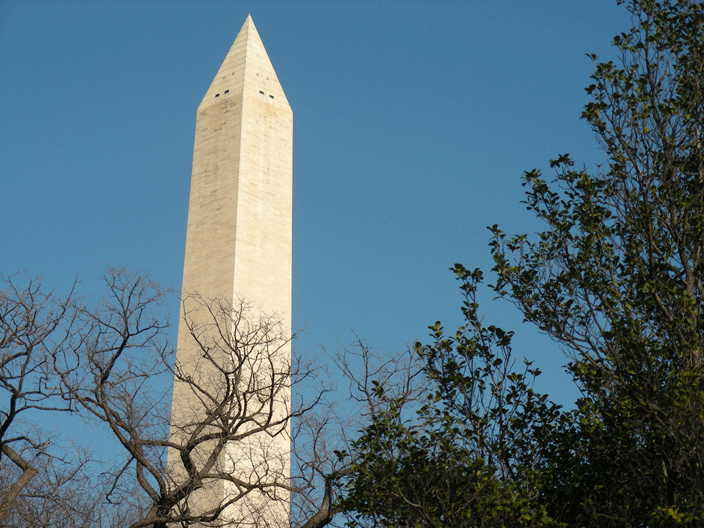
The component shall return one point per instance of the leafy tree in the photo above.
(616, 279)
(468, 455)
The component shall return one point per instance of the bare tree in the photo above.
(33, 325)
(67, 492)
(368, 380)
(221, 457)
(234, 435)
(237, 382)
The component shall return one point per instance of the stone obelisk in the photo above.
(238, 248)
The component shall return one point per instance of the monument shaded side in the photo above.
(236, 290)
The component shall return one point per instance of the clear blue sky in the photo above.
(413, 124)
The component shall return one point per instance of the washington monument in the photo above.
(232, 380)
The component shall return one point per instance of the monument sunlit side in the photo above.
(237, 266)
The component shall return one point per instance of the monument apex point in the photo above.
(247, 62)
